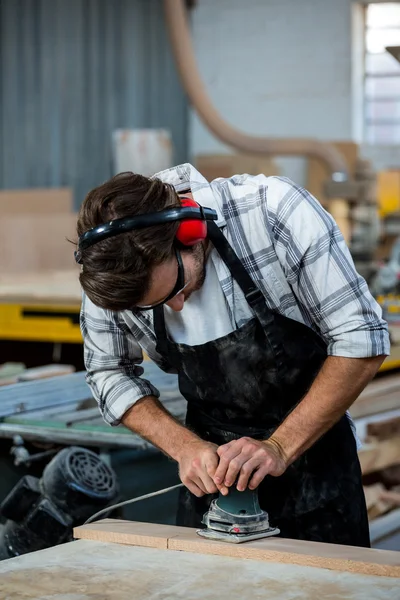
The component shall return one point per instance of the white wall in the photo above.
(276, 67)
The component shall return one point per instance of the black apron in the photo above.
(245, 384)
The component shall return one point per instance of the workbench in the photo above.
(101, 570)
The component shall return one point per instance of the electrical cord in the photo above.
(131, 501)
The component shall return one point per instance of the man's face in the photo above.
(165, 277)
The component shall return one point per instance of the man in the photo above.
(265, 319)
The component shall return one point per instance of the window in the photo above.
(382, 74)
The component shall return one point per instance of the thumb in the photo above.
(211, 463)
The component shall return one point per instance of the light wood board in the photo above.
(384, 430)
(379, 455)
(295, 552)
(380, 395)
(36, 201)
(379, 500)
(33, 242)
(86, 570)
(41, 287)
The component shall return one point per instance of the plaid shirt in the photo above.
(292, 249)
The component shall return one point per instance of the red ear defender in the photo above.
(192, 231)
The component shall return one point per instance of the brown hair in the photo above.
(116, 272)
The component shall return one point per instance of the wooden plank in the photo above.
(363, 422)
(45, 399)
(379, 455)
(391, 476)
(372, 494)
(9, 372)
(310, 554)
(22, 397)
(381, 385)
(81, 434)
(296, 552)
(378, 503)
(381, 395)
(46, 371)
(86, 414)
(150, 535)
(41, 287)
(103, 571)
(391, 496)
(37, 242)
(56, 413)
(365, 406)
(36, 201)
(384, 430)
(51, 414)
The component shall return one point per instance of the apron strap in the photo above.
(253, 295)
(160, 331)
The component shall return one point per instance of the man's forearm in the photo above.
(336, 387)
(149, 419)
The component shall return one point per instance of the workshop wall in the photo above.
(279, 69)
(71, 73)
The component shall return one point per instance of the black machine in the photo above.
(40, 513)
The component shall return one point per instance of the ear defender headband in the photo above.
(191, 231)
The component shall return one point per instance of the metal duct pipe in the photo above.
(175, 13)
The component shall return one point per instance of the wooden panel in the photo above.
(43, 393)
(46, 371)
(34, 201)
(377, 456)
(384, 430)
(310, 554)
(379, 500)
(84, 570)
(149, 535)
(382, 394)
(38, 287)
(36, 242)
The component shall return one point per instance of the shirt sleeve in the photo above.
(112, 358)
(320, 270)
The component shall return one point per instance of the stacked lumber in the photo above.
(380, 500)
(380, 463)
(380, 396)
(377, 417)
(17, 372)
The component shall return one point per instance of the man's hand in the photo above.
(197, 465)
(250, 461)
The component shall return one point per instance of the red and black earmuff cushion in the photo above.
(191, 231)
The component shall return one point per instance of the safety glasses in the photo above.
(179, 286)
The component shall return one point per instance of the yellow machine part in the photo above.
(32, 322)
(388, 192)
(60, 324)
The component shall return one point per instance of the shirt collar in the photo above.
(184, 177)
